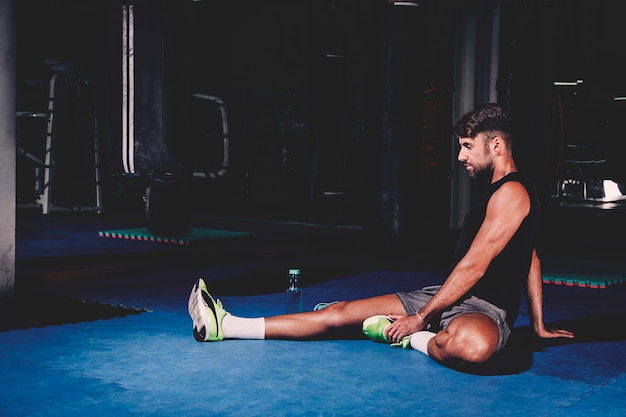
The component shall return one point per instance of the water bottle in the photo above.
(294, 292)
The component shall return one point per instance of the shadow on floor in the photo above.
(38, 309)
(517, 356)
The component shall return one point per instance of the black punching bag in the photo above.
(160, 97)
(166, 206)
(400, 130)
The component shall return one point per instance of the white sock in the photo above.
(243, 328)
(419, 341)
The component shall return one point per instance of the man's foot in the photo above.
(206, 313)
(405, 343)
(374, 328)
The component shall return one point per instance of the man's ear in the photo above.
(497, 143)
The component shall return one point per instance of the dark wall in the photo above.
(304, 82)
(301, 82)
(549, 41)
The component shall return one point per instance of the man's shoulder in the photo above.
(509, 195)
(513, 186)
(514, 182)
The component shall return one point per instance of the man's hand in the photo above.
(553, 333)
(403, 326)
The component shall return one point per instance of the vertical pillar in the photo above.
(475, 74)
(7, 148)
(401, 127)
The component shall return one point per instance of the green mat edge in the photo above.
(571, 281)
(193, 234)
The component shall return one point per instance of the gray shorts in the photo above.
(414, 300)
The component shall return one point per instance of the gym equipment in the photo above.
(154, 103)
(66, 159)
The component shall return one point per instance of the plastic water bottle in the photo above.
(294, 292)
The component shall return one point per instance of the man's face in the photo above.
(476, 155)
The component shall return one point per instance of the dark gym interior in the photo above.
(316, 134)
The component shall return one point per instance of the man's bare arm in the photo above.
(535, 302)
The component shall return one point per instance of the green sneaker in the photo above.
(374, 328)
(206, 313)
(321, 306)
(405, 343)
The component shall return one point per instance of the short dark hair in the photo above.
(489, 119)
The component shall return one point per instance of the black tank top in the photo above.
(505, 279)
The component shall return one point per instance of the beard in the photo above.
(482, 172)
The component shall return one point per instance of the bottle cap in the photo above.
(293, 271)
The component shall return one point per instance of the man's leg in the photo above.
(469, 339)
(337, 316)
(212, 322)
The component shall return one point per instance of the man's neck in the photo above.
(503, 171)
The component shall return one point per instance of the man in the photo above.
(468, 318)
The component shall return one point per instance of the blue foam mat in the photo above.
(150, 365)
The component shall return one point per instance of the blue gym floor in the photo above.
(148, 364)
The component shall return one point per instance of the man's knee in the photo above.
(467, 339)
(334, 315)
(474, 347)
